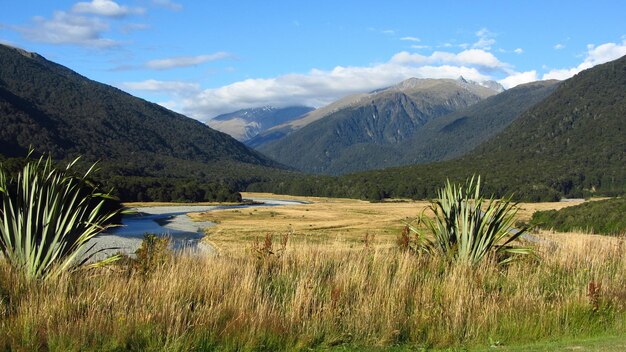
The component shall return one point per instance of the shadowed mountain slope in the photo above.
(365, 131)
(55, 110)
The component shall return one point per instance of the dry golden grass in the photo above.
(311, 297)
(526, 210)
(330, 221)
(326, 288)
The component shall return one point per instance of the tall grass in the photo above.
(315, 298)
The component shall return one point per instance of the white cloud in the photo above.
(84, 25)
(321, 87)
(66, 28)
(388, 31)
(174, 6)
(135, 27)
(105, 8)
(518, 78)
(473, 57)
(152, 85)
(595, 55)
(559, 46)
(518, 51)
(420, 46)
(411, 39)
(185, 61)
(561, 74)
(485, 39)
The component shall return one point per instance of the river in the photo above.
(171, 221)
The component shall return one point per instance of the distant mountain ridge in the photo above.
(362, 131)
(247, 123)
(570, 144)
(56, 110)
(280, 131)
(457, 133)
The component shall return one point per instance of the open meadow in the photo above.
(329, 222)
(312, 176)
(327, 287)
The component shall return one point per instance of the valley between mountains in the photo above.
(541, 141)
(427, 214)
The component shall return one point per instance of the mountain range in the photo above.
(540, 141)
(370, 131)
(571, 143)
(245, 124)
(55, 110)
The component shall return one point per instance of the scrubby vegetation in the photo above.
(276, 296)
(603, 217)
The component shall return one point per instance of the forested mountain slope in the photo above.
(55, 110)
(573, 143)
(368, 134)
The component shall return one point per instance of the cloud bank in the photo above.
(184, 61)
(320, 87)
(595, 55)
(85, 24)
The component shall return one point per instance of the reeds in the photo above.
(312, 297)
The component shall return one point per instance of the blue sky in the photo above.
(203, 58)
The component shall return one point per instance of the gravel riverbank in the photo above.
(172, 221)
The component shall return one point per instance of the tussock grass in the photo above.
(313, 297)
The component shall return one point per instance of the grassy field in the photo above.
(328, 289)
(332, 222)
(313, 298)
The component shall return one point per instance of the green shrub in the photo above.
(467, 228)
(602, 217)
(48, 216)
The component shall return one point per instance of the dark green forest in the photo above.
(145, 151)
(570, 144)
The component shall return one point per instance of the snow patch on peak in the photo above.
(492, 85)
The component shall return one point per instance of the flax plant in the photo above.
(468, 228)
(47, 218)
